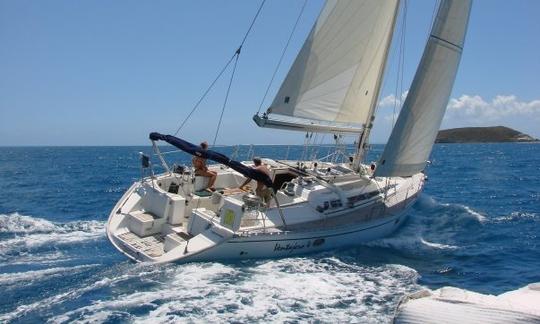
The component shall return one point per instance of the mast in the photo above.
(412, 138)
(364, 135)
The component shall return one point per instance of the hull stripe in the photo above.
(314, 237)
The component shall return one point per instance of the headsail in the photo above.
(335, 79)
(412, 138)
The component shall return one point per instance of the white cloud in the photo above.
(391, 100)
(470, 110)
(476, 109)
(388, 101)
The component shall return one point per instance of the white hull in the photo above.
(150, 224)
(270, 246)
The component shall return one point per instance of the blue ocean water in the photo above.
(476, 226)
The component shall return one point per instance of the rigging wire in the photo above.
(399, 77)
(313, 147)
(403, 44)
(282, 56)
(226, 99)
(306, 143)
(252, 23)
(236, 55)
(401, 61)
(315, 154)
(204, 94)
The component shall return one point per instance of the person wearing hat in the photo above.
(262, 190)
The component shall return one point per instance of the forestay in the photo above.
(337, 74)
(411, 141)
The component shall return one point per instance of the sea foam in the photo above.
(292, 289)
(432, 227)
(23, 278)
(26, 233)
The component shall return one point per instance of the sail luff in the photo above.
(364, 136)
(412, 138)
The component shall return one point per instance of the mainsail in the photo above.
(334, 82)
(411, 141)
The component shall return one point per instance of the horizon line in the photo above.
(139, 145)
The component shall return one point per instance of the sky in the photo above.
(110, 72)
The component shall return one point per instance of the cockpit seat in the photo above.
(200, 183)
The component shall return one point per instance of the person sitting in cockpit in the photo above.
(202, 170)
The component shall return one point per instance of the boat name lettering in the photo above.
(290, 247)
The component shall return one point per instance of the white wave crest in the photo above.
(432, 226)
(17, 223)
(37, 275)
(128, 271)
(43, 258)
(428, 203)
(31, 232)
(438, 245)
(516, 216)
(410, 242)
(481, 218)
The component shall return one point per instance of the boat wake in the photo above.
(45, 255)
(433, 227)
(24, 235)
(100, 281)
(27, 277)
(292, 289)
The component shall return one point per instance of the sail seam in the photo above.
(334, 74)
(447, 42)
(319, 96)
(328, 52)
(329, 38)
(358, 64)
(332, 64)
(324, 31)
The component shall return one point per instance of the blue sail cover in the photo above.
(214, 156)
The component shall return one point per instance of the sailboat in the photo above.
(332, 87)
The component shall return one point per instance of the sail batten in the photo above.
(412, 138)
(336, 75)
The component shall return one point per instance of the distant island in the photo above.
(494, 134)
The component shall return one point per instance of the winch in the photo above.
(251, 201)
